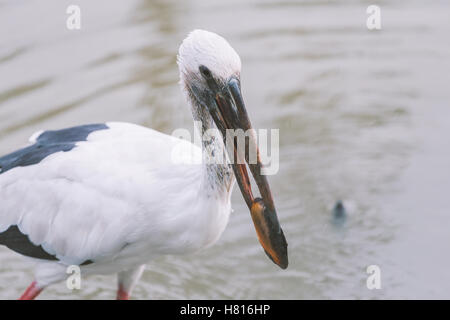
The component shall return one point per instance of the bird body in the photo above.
(118, 196)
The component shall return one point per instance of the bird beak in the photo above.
(229, 113)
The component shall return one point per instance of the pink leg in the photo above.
(127, 280)
(122, 294)
(32, 292)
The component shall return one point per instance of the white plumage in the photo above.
(208, 49)
(117, 197)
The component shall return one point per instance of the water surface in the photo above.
(364, 117)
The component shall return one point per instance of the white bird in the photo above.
(110, 197)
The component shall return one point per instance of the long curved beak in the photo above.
(230, 115)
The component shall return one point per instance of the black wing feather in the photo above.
(48, 142)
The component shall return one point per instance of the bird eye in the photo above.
(205, 72)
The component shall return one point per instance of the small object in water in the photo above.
(339, 213)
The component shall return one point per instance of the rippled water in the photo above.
(364, 116)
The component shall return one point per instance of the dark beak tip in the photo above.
(270, 233)
(284, 265)
(281, 246)
(281, 251)
(282, 260)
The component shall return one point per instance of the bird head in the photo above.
(210, 74)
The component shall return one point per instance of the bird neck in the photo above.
(218, 174)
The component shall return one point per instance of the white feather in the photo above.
(211, 50)
(35, 136)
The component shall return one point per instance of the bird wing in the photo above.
(74, 195)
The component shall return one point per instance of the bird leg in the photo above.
(122, 294)
(32, 292)
(127, 281)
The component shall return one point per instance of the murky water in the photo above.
(363, 117)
